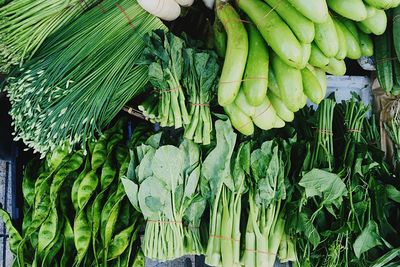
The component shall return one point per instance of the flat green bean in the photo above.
(28, 184)
(120, 242)
(87, 187)
(82, 236)
(68, 246)
(14, 236)
(114, 140)
(58, 155)
(52, 250)
(99, 152)
(48, 231)
(107, 173)
(73, 164)
(75, 187)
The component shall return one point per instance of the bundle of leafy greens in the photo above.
(265, 231)
(223, 184)
(349, 218)
(81, 77)
(162, 183)
(26, 24)
(178, 73)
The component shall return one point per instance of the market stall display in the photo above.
(237, 149)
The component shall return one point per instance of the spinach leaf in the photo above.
(369, 238)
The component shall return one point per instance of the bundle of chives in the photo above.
(82, 76)
(25, 24)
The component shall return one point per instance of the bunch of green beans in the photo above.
(100, 230)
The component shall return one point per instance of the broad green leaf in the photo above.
(195, 211)
(150, 190)
(369, 238)
(327, 185)
(131, 173)
(154, 140)
(131, 190)
(167, 165)
(191, 153)
(241, 167)
(305, 225)
(393, 193)
(191, 182)
(144, 169)
(216, 167)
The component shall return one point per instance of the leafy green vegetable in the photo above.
(170, 66)
(369, 238)
(324, 184)
(164, 188)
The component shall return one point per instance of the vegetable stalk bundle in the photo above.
(265, 230)
(178, 73)
(224, 183)
(25, 24)
(81, 77)
(162, 185)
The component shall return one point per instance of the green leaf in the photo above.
(131, 190)
(305, 225)
(369, 238)
(195, 211)
(144, 169)
(216, 167)
(154, 140)
(241, 167)
(192, 182)
(154, 199)
(392, 193)
(167, 165)
(191, 153)
(324, 184)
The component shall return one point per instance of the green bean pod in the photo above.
(52, 251)
(95, 210)
(75, 186)
(124, 217)
(27, 218)
(87, 187)
(99, 152)
(114, 140)
(68, 246)
(14, 238)
(82, 236)
(58, 155)
(111, 221)
(42, 207)
(28, 185)
(120, 242)
(105, 212)
(121, 152)
(72, 165)
(48, 231)
(107, 173)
